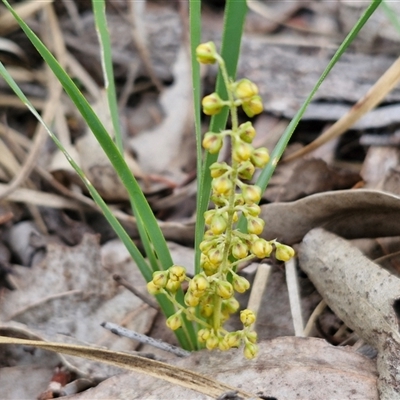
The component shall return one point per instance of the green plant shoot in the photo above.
(210, 297)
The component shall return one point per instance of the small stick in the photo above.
(258, 287)
(146, 299)
(294, 297)
(315, 314)
(120, 331)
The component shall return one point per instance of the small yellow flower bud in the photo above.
(240, 284)
(203, 335)
(218, 225)
(210, 269)
(223, 344)
(253, 106)
(212, 342)
(160, 278)
(255, 225)
(231, 305)
(224, 289)
(245, 89)
(212, 104)
(217, 169)
(247, 317)
(206, 245)
(250, 350)
(234, 339)
(260, 157)
(239, 250)
(253, 209)
(206, 52)
(222, 185)
(207, 310)
(246, 170)
(242, 151)
(177, 273)
(215, 256)
(251, 336)
(190, 313)
(174, 322)
(247, 132)
(172, 286)
(251, 194)
(212, 142)
(199, 284)
(153, 289)
(191, 300)
(283, 252)
(261, 248)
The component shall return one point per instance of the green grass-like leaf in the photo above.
(141, 208)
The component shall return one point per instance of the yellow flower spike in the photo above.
(203, 335)
(210, 269)
(255, 225)
(212, 142)
(222, 185)
(224, 289)
(177, 273)
(212, 104)
(247, 317)
(191, 300)
(208, 216)
(206, 53)
(212, 342)
(245, 89)
(242, 151)
(250, 350)
(253, 106)
(247, 132)
(251, 194)
(241, 284)
(239, 250)
(261, 248)
(174, 322)
(218, 225)
(260, 157)
(172, 286)
(283, 252)
(153, 289)
(160, 278)
(246, 170)
(251, 336)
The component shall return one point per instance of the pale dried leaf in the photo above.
(350, 213)
(362, 294)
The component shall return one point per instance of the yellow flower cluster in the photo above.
(209, 298)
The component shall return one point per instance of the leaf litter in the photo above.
(67, 292)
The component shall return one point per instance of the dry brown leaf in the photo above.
(350, 213)
(365, 296)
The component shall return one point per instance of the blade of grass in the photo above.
(391, 15)
(99, 10)
(234, 17)
(266, 174)
(142, 210)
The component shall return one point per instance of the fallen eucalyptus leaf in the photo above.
(350, 213)
(365, 296)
